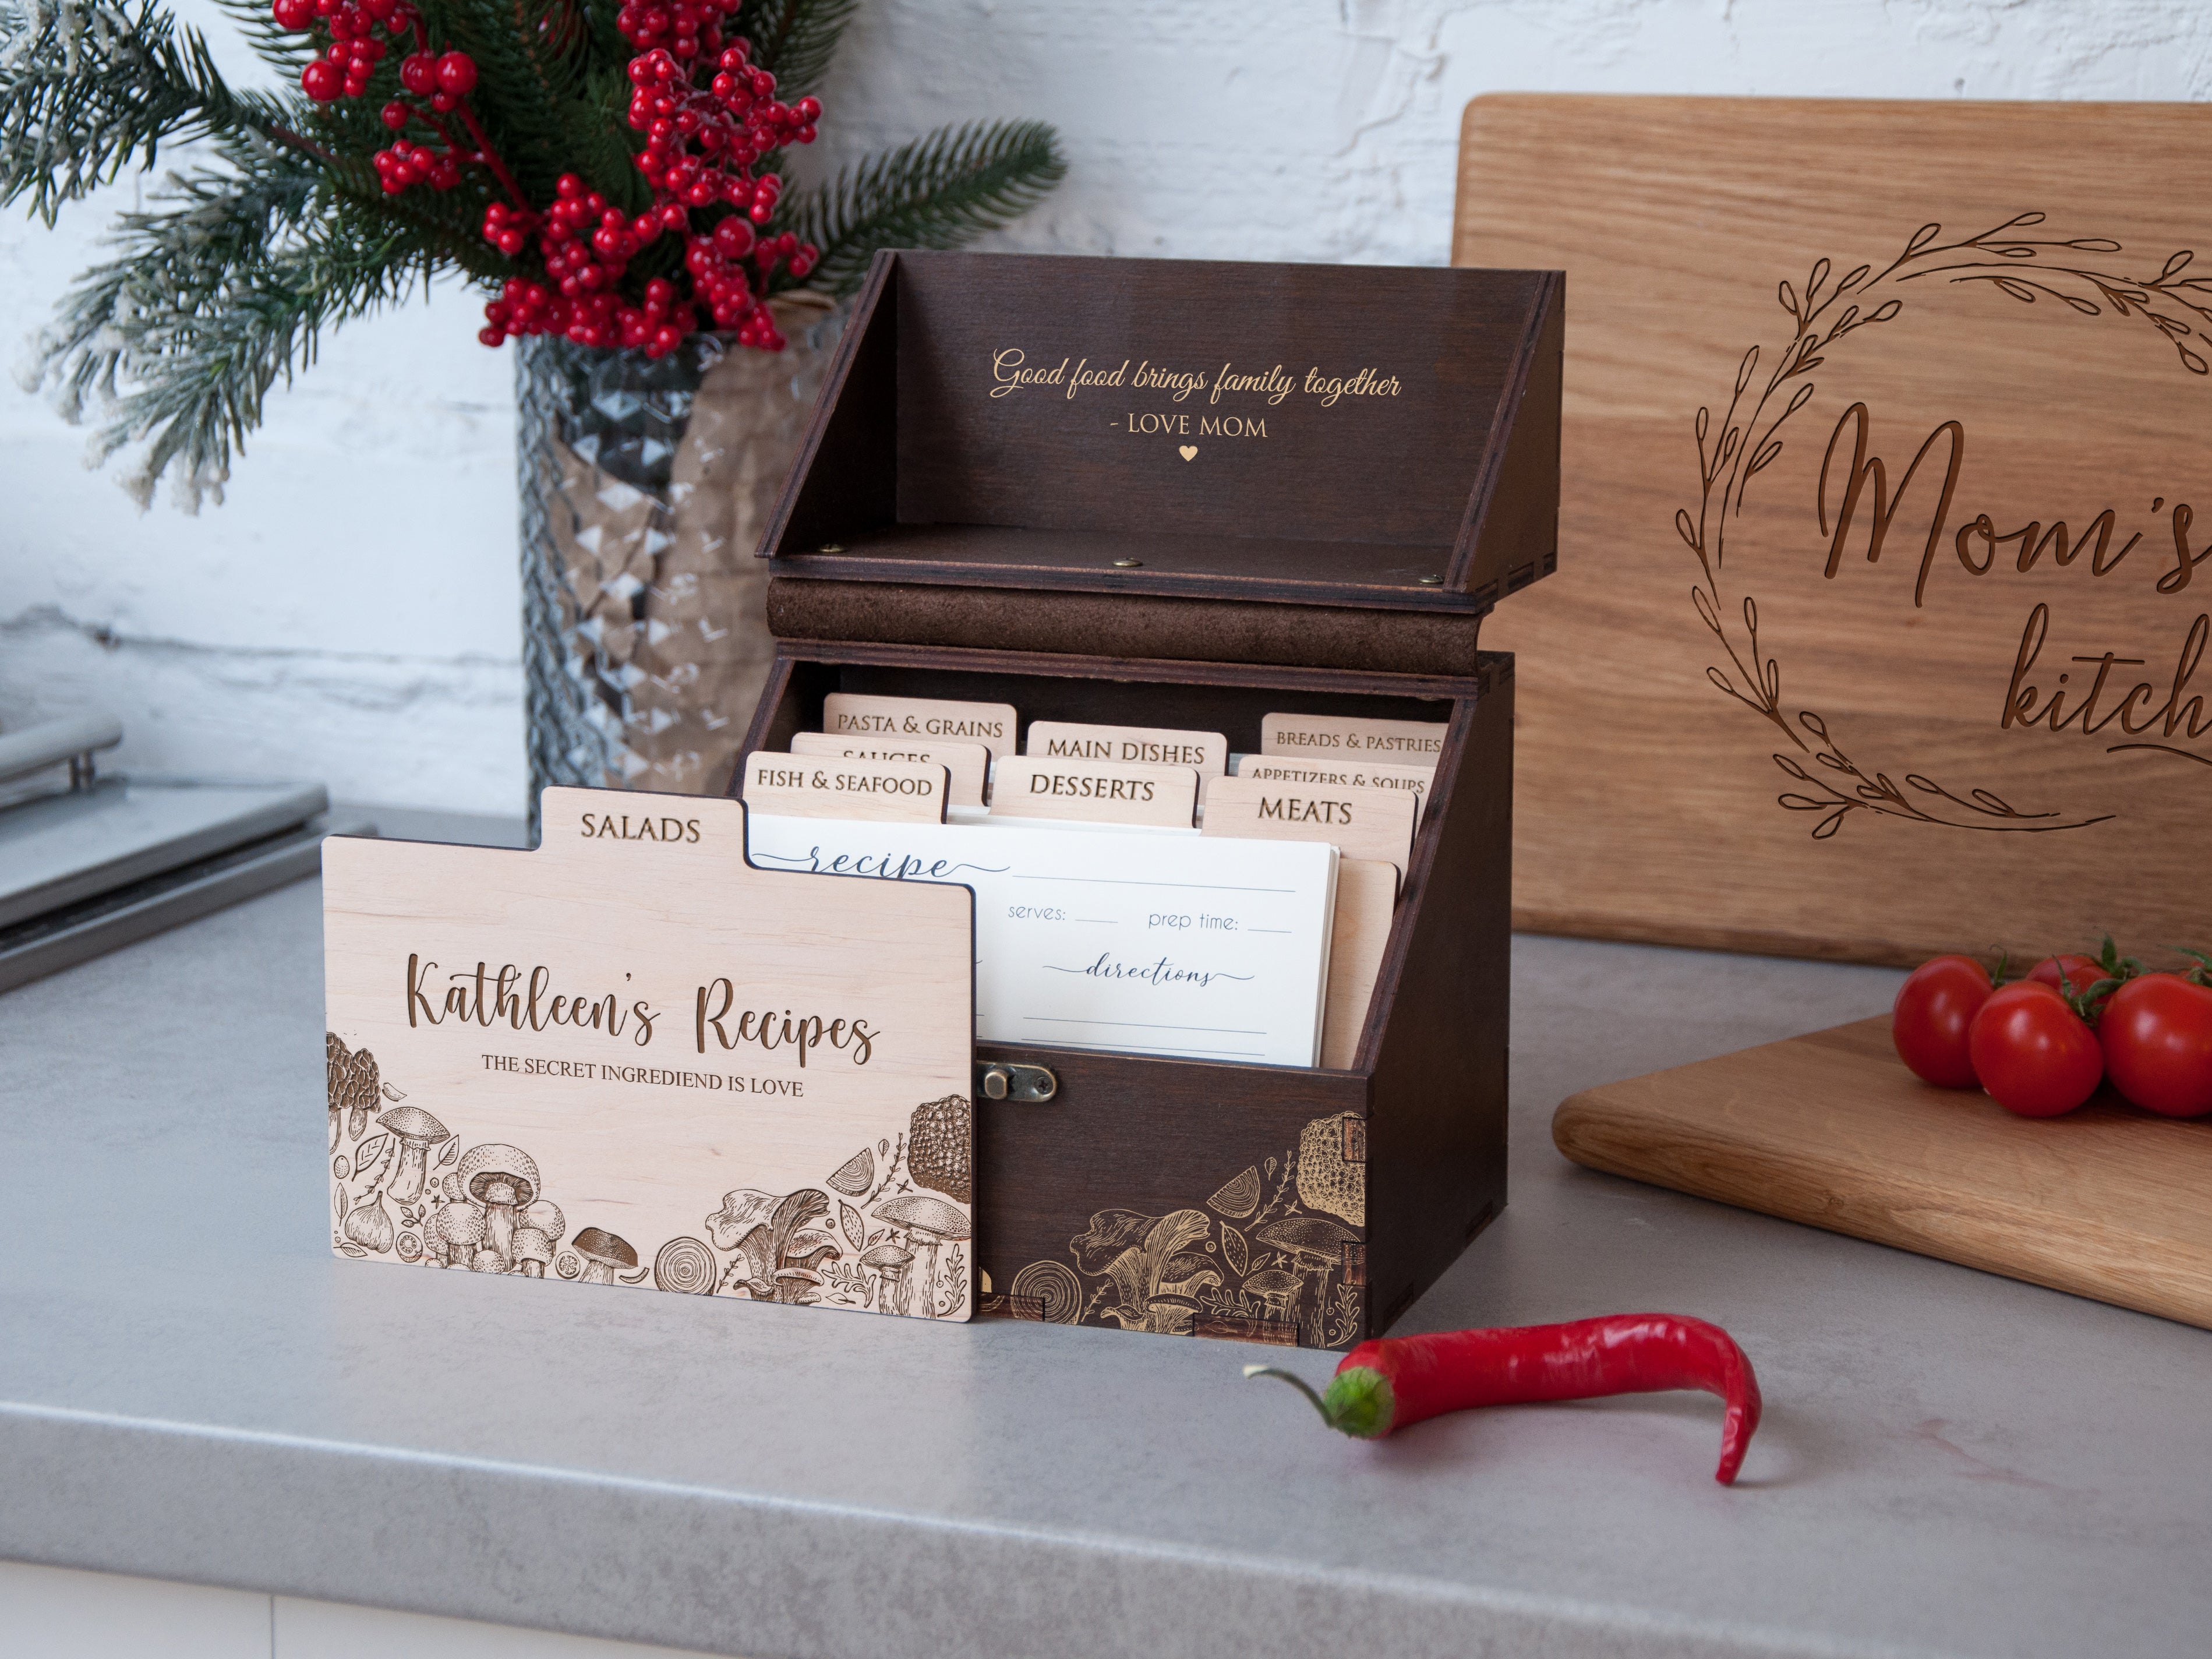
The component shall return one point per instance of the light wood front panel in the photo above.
(628, 1057)
(1741, 728)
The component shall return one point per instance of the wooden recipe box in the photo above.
(1002, 498)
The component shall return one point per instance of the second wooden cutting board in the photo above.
(1853, 390)
(1831, 1130)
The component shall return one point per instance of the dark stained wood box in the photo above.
(1319, 556)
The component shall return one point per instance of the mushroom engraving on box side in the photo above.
(1186, 1274)
(1154, 1273)
(1328, 1181)
(1315, 1240)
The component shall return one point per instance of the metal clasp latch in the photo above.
(1015, 1082)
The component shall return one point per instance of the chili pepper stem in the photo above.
(1360, 1401)
(1296, 1381)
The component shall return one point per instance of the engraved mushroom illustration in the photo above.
(352, 1085)
(1276, 1290)
(1308, 1238)
(533, 1250)
(930, 1222)
(604, 1255)
(453, 1236)
(938, 1141)
(1328, 1180)
(766, 1231)
(1171, 1314)
(1148, 1263)
(742, 1224)
(805, 1253)
(417, 1132)
(545, 1216)
(503, 1179)
(335, 1060)
(798, 1285)
(890, 1261)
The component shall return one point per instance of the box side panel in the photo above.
(1517, 529)
(843, 483)
(1437, 1129)
(1175, 1196)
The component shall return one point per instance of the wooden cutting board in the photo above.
(1832, 1131)
(1738, 728)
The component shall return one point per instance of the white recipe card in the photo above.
(1157, 942)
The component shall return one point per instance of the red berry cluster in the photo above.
(701, 144)
(354, 52)
(587, 245)
(444, 81)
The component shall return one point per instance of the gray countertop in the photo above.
(192, 1387)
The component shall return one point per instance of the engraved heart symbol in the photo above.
(1189, 452)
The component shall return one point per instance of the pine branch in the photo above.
(794, 39)
(281, 50)
(223, 292)
(88, 90)
(938, 191)
(545, 89)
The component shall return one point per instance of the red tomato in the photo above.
(1929, 1018)
(2033, 1053)
(2157, 1034)
(2081, 973)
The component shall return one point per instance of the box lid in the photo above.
(1271, 434)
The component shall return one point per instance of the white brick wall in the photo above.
(351, 613)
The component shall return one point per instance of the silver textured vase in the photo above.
(645, 486)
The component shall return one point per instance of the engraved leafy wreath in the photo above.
(2017, 266)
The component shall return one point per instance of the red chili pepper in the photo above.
(1386, 1385)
